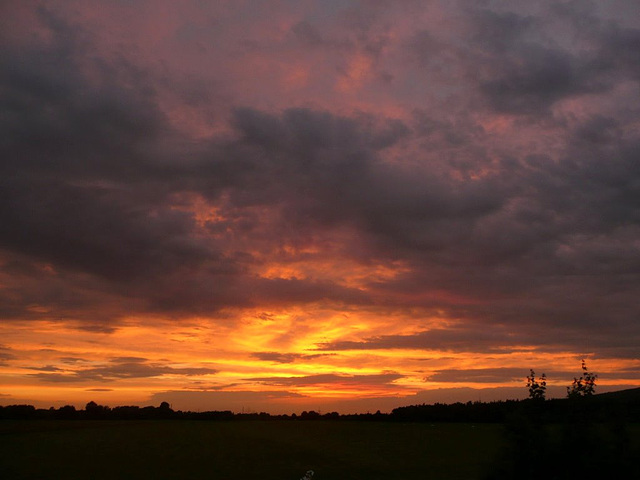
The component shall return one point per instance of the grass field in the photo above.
(245, 450)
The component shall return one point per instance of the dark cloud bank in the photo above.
(534, 247)
(115, 369)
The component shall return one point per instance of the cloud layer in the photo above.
(459, 177)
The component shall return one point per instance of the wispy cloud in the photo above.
(328, 379)
(118, 368)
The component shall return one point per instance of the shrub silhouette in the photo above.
(94, 411)
(571, 438)
(537, 389)
(584, 386)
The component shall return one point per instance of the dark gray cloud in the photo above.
(72, 359)
(96, 230)
(330, 174)
(88, 186)
(511, 331)
(68, 110)
(531, 61)
(322, 379)
(461, 338)
(278, 357)
(82, 171)
(5, 354)
(478, 375)
(118, 368)
(119, 360)
(47, 368)
(536, 79)
(505, 375)
(524, 74)
(529, 236)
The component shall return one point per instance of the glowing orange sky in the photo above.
(346, 205)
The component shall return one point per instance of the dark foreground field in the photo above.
(245, 450)
(335, 450)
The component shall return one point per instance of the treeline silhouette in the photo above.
(624, 406)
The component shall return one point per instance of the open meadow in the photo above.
(265, 450)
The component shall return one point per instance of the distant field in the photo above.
(267, 450)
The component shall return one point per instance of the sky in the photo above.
(340, 205)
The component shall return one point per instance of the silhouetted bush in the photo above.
(537, 388)
(583, 436)
(68, 412)
(577, 447)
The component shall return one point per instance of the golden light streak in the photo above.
(49, 347)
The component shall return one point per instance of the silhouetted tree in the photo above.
(567, 438)
(95, 411)
(311, 415)
(68, 412)
(585, 385)
(537, 388)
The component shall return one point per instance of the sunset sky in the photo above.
(331, 205)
